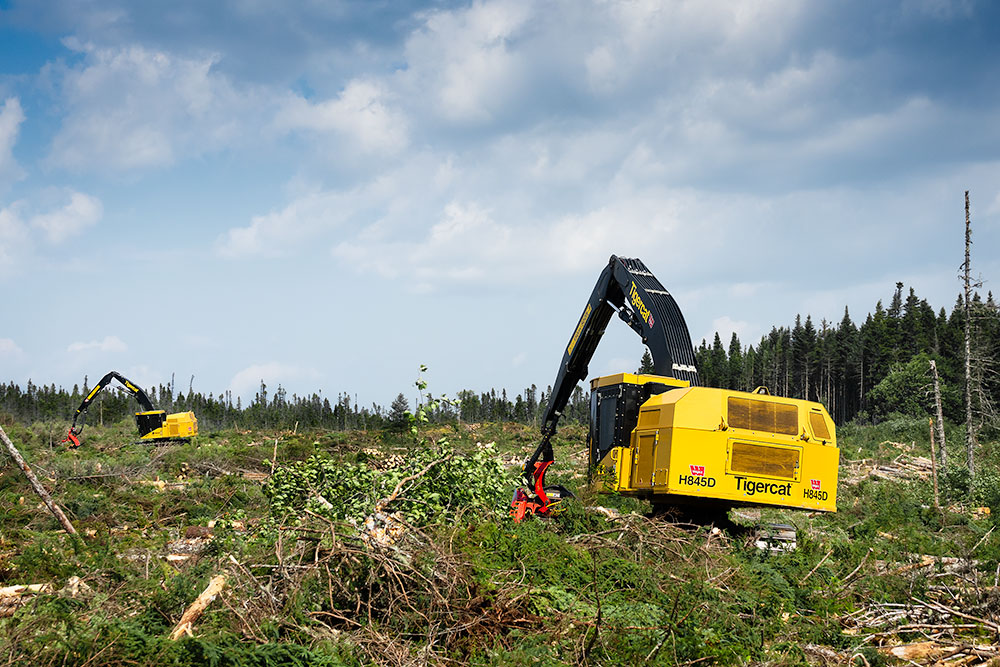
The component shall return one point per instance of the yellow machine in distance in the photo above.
(154, 425)
(687, 445)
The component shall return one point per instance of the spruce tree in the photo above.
(397, 411)
(736, 364)
(646, 363)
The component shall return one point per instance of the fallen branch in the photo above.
(198, 607)
(823, 560)
(380, 505)
(914, 627)
(847, 579)
(954, 612)
(36, 485)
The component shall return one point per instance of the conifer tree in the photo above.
(397, 410)
(736, 364)
(646, 363)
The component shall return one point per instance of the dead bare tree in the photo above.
(979, 361)
(937, 503)
(36, 485)
(970, 432)
(939, 414)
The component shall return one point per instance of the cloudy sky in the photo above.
(325, 194)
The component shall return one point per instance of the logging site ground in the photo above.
(395, 547)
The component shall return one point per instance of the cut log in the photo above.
(12, 598)
(919, 651)
(198, 607)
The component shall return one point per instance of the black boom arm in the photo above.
(133, 389)
(628, 288)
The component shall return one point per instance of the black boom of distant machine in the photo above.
(154, 425)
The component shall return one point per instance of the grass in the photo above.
(463, 584)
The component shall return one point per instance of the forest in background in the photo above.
(870, 371)
(863, 373)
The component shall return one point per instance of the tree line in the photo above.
(864, 372)
(870, 371)
(275, 409)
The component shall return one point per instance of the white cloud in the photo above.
(396, 198)
(81, 212)
(14, 238)
(9, 349)
(20, 224)
(246, 382)
(518, 176)
(274, 233)
(131, 107)
(11, 117)
(361, 114)
(461, 62)
(108, 344)
(467, 243)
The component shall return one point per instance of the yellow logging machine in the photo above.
(154, 425)
(664, 438)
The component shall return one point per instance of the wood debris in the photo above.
(382, 528)
(185, 548)
(609, 513)
(902, 468)
(943, 655)
(946, 564)
(198, 607)
(13, 598)
(824, 655)
(75, 587)
(934, 619)
(162, 485)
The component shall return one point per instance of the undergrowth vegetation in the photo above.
(394, 547)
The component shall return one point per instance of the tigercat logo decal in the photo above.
(751, 487)
(815, 484)
(644, 313)
(579, 329)
(699, 471)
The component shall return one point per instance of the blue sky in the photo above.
(325, 195)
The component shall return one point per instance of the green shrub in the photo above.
(956, 481)
(349, 491)
(986, 489)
